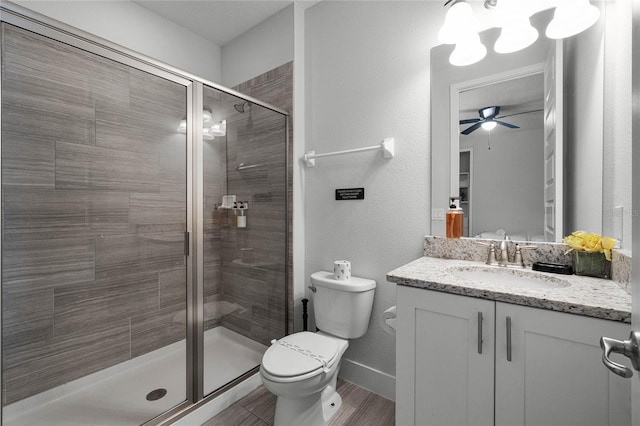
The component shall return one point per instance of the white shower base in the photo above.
(117, 395)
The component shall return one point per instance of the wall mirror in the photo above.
(500, 174)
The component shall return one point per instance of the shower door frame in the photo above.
(58, 31)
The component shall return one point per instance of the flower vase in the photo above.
(591, 264)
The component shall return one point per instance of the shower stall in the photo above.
(144, 231)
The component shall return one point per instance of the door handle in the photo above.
(629, 348)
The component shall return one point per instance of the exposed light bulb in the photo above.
(572, 17)
(489, 125)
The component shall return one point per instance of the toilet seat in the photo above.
(300, 354)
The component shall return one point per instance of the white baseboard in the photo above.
(369, 378)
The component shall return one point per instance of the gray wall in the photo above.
(264, 47)
(367, 76)
(507, 181)
(94, 210)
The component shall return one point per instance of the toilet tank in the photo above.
(342, 308)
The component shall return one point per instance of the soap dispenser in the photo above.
(455, 219)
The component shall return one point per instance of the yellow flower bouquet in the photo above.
(592, 253)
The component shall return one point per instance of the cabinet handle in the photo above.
(509, 339)
(480, 332)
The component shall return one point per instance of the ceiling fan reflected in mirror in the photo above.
(488, 120)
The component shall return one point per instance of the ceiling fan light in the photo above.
(572, 17)
(516, 36)
(459, 18)
(489, 125)
(468, 51)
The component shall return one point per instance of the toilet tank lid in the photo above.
(353, 284)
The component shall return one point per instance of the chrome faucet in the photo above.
(518, 261)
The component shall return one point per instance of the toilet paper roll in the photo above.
(388, 320)
(341, 270)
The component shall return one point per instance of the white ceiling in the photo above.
(217, 21)
(520, 96)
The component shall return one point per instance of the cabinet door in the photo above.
(441, 378)
(556, 375)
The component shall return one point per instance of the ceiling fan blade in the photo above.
(469, 121)
(471, 129)
(509, 125)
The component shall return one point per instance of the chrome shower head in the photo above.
(240, 107)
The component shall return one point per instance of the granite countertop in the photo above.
(587, 296)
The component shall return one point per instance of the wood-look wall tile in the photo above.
(27, 54)
(27, 315)
(92, 167)
(47, 110)
(93, 303)
(173, 287)
(166, 207)
(46, 263)
(130, 254)
(157, 329)
(27, 161)
(44, 364)
(157, 95)
(38, 214)
(134, 130)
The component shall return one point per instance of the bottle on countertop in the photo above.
(455, 219)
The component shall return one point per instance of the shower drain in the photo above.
(156, 394)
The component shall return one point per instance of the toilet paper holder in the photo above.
(388, 320)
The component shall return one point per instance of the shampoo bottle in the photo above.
(455, 219)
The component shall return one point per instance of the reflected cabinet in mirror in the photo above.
(536, 143)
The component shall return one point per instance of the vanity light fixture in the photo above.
(458, 20)
(572, 17)
(469, 50)
(209, 129)
(517, 32)
(459, 29)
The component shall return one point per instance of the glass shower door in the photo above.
(94, 274)
(245, 223)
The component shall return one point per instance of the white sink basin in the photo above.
(509, 277)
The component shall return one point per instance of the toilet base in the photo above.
(310, 410)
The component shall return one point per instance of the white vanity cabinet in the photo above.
(550, 374)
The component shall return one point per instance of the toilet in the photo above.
(302, 369)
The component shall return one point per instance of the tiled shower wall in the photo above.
(94, 210)
(250, 292)
(276, 87)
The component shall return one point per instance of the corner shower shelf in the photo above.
(387, 147)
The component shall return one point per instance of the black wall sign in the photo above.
(350, 194)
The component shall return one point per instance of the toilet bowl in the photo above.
(302, 369)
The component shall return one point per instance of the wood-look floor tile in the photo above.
(374, 411)
(371, 409)
(235, 415)
(261, 403)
